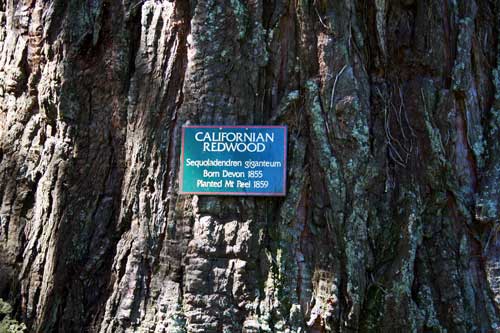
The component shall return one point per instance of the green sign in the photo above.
(233, 160)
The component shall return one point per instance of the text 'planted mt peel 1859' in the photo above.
(233, 160)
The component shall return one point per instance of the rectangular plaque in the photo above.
(233, 160)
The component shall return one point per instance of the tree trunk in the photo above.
(392, 210)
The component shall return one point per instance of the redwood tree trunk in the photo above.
(392, 210)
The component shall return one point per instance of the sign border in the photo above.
(260, 194)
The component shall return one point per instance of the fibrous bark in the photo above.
(391, 216)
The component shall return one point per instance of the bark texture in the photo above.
(391, 219)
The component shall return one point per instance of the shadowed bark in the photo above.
(392, 210)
